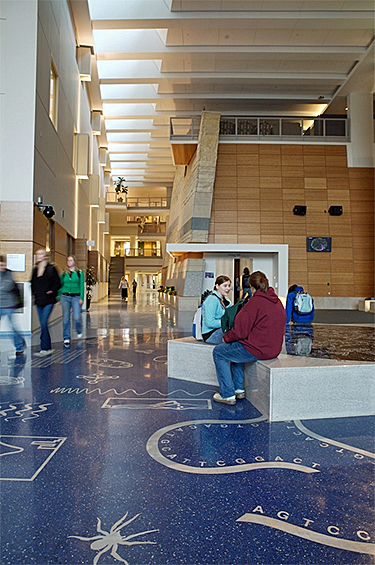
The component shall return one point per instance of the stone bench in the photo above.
(286, 388)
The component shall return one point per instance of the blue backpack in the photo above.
(303, 303)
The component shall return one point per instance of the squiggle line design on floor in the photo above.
(324, 539)
(19, 413)
(77, 390)
(306, 431)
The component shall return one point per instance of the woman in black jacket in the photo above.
(45, 283)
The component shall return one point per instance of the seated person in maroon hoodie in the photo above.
(258, 333)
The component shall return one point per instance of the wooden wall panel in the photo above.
(262, 184)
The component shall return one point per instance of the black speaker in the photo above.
(335, 210)
(299, 210)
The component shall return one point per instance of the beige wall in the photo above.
(256, 188)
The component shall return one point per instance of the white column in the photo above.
(361, 148)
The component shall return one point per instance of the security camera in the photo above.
(47, 209)
(48, 212)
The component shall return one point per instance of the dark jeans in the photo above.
(44, 313)
(229, 360)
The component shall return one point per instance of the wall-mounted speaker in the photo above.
(335, 210)
(299, 210)
(319, 244)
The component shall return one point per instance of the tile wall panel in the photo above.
(262, 183)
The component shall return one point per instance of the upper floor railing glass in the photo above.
(266, 129)
(160, 202)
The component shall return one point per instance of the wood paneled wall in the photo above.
(256, 189)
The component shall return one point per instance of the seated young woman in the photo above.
(213, 308)
(258, 333)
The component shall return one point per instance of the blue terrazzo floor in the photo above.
(104, 460)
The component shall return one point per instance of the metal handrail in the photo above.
(136, 252)
(131, 202)
(267, 128)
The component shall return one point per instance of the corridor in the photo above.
(104, 460)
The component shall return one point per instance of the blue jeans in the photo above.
(229, 360)
(71, 303)
(216, 337)
(44, 313)
(19, 342)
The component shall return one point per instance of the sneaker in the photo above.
(66, 341)
(218, 398)
(79, 336)
(240, 394)
(44, 352)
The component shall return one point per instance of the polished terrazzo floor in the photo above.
(103, 460)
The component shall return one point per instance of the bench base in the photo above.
(286, 388)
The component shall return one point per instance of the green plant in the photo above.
(91, 280)
(119, 185)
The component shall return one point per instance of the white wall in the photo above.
(18, 49)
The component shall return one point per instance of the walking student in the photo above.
(124, 286)
(134, 284)
(246, 283)
(45, 284)
(258, 333)
(71, 295)
(8, 304)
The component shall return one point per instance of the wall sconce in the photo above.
(96, 122)
(94, 191)
(84, 62)
(335, 210)
(299, 210)
(82, 155)
(106, 223)
(102, 156)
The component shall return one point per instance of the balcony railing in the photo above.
(136, 252)
(160, 202)
(151, 229)
(266, 129)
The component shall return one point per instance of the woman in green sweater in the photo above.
(71, 296)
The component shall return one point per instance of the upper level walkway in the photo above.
(265, 129)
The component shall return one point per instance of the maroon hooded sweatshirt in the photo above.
(260, 325)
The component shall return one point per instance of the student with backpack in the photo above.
(246, 290)
(258, 333)
(212, 310)
(299, 306)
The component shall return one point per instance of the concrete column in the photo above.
(361, 148)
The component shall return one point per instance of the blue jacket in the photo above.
(291, 314)
(212, 311)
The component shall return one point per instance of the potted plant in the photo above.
(91, 281)
(120, 188)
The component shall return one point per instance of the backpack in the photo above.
(303, 303)
(227, 320)
(197, 324)
(197, 318)
(303, 345)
